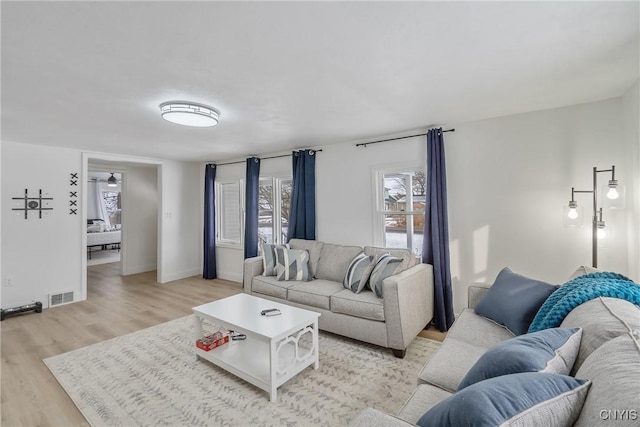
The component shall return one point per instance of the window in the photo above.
(400, 196)
(229, 218)
(112, 205)
(274, 202)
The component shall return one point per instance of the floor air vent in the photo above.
(60, 299)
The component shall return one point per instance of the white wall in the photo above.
(508, 179)
(631, 115)
(140, 219)
(40, 256)
(181, 232)
(344, 177)
(43, 256)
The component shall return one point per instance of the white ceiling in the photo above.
(91, 75)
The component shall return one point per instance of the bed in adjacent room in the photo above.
(101, 237)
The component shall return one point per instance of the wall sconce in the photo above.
(572, 214)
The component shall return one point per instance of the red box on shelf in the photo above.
(212, 341)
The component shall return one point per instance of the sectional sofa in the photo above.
(608, 356)
(392, 321)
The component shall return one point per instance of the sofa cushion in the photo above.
(369, 417)
(476, 330)
(334, 260)
(614, 369)
(466, 341)
(601, 320)
(408, 258)
(364, 304)
(552, 350)
(269, 258)
(270, 285)
(358, 273)
(449, 364)
(514, 300)
(424, 397)
(526, 399)
(315, 294)
(292, 264)
(313, 247)
(386, 266)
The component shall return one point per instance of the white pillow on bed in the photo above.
(98, 226)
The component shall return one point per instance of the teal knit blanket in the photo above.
(582, 289)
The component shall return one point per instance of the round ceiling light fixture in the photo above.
(189, 114)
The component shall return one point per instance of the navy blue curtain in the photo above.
(302, 217)
(251, 208)
(209, 269)
(435, 246)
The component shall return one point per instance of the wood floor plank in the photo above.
(29, 394)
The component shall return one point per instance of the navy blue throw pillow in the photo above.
(514, 300)
(531, 399)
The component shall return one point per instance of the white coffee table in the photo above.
(270, 356)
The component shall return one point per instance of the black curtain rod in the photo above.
(261, 158)
(364, 144)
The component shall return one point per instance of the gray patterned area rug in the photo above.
(151, 378)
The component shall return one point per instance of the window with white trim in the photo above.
(274, 204)
(400, 206)
(229, 212)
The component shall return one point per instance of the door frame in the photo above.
(120, 163)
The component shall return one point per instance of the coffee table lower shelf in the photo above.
(250, 359)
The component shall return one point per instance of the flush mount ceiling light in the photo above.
(112, 181)
(189, 114)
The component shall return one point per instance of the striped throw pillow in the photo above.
(292, 264)
(358, 273)
(269, 258)
(385, 267)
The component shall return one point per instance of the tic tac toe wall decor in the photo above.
(37, 204)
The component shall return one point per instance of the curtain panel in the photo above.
(302, 217)
(435, 250)
(251, 207)
(209, 269)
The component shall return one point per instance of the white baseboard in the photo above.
(177, 275)
(139, 269)
(233, 277)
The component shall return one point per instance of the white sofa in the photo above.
(392, 321)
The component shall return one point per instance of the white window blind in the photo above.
(229, 224)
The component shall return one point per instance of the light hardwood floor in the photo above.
(30, 395)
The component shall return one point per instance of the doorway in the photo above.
(104, 216)
(133, 209)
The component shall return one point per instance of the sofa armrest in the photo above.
(408, 304)
(372, 417)
(476, 292)
(252, 267)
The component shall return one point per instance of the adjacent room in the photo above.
(320, 213)
(104, 217)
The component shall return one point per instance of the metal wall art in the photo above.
(73, 195)
(37, 204)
